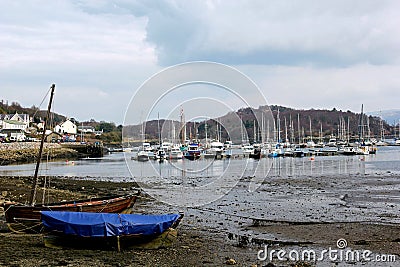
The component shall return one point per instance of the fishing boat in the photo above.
(142, 156)
(247, 149)
(104, 230)
(217, 148)
(193, 151)
(332, 142)
(149, 150)
(175, 153)
(26, 217)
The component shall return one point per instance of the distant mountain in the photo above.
(391, 116)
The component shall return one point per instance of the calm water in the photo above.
(119, 166)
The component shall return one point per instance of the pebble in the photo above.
(230, 262)
(26, 145)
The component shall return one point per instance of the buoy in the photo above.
(312, 158)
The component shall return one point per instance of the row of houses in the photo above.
(68, 127)
(11, 124)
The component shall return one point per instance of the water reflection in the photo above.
(114, 166)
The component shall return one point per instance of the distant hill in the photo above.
(328, 119)
(391, 116)
(6, 108)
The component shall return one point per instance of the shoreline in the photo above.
(27, 152)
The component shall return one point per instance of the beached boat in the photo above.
(104, 230)
(26, 218)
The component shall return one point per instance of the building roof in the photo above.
(23, 117)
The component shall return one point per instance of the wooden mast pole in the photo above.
(35, 177)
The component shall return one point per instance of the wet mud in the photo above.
(283, 213)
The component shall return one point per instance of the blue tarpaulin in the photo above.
(87, 224)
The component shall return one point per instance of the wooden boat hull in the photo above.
(23, 218)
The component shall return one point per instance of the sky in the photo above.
(302, 54)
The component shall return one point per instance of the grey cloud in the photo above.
(323, 33)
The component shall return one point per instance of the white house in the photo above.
(86, 129)
(14, 121)
(67, 127)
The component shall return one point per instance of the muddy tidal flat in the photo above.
(231, 230)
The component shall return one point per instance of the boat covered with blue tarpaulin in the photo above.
(91, 224)
(76, 228)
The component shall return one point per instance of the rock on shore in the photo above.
(22, 152)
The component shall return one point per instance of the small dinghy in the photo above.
(105, 230)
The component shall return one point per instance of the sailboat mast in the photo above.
(241, 128)
(361, 126)
(286, 132)
(205, 129)
(348, 130)
(183, 126)
(158, 127)
(279, 127)
(254, 132)
(262, 128)
(298, 126)
(320, 133)
(35, 176)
